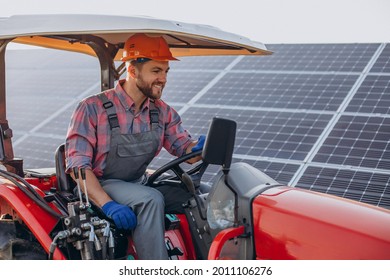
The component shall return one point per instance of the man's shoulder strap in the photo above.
(113, 117)
(153, 114)
(110, 110)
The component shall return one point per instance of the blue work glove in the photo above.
(200, 144)
(123, 216)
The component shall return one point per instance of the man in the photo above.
(115, 135)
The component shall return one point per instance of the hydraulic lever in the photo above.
(83, 177)
(76, 176)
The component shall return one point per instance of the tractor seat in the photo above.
(64, 181)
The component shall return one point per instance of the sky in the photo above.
(266, 21)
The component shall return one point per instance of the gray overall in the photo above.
(122, 180)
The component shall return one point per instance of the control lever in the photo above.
(188, 182)
(186, 179)
(83, 177)
(76, 176)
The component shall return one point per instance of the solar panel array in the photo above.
(313, 116)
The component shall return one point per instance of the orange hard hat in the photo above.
(143, 46)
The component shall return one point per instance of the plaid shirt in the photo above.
(88, 137)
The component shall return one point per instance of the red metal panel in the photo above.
(44, 184)
(38, 220)
(186, 235)
(291, 223)
(177, 241)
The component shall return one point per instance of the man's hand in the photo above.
(194, 147)
(123, 216)
(199, 145)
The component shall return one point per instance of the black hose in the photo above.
(111, 253)
(104, 247)
(27, 184)
(90, 246)
(28, 190)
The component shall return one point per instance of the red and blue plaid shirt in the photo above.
(88, 137)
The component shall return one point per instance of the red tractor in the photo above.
(244, 214)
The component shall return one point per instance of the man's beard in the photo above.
(147, 90)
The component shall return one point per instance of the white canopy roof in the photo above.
(67, 32)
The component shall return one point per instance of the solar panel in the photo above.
(182, 86)
(37, 151)
(282, 91)
(280, 171)
(288, 135)
(312, 57)
(368, 187)
(205, 63)
(382, 64)
(358, 141)
(314, 116)
(372, 96)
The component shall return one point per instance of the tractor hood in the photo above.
(70, 32)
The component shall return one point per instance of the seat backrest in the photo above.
(64, 181)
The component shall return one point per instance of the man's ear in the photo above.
(132, 71)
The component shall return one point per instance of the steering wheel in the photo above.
(174, 165)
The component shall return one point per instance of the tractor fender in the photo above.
(39, 222)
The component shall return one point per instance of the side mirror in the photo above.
(219, 145)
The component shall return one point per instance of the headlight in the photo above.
(220, 208)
